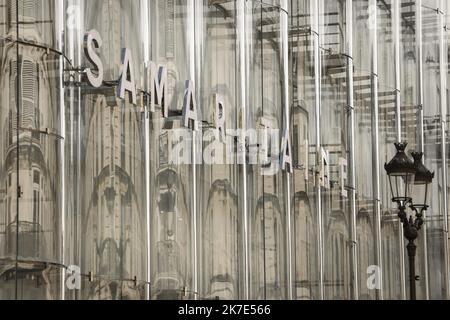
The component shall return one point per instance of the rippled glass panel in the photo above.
(8, 151)
(108, 229)
(303, 125)
(364, 29)
(171, 189)
(435, 220)
(410, 116)
(267, 203)
(220, 221)
(335, 150)
(32, 151)
(390, 232)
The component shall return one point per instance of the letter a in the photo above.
(220, 117)
(287, 153)
(190, 116)
(126, 81)
(73, 282)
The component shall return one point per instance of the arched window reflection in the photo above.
(113, 226)
(268, 241)
(337, 262)
(436, 255)
(391, 256)
(219, 243)
(366, 252)
(170, 231)
(219, 266)
(305, 247)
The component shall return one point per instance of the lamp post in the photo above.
(403, 174)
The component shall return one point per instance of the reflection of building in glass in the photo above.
(220, 252)
(112, 228)
(114, 221)
(87, 179)
(171, 233)
(30, 158)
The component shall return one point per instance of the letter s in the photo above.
(93, 40)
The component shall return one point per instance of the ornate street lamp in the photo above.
(423, 179)
(403, 174)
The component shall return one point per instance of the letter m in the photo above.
(157, 87)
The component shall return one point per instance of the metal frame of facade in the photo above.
(195, 51)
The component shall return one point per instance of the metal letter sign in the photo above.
(126, 81)
(286, 159)
(325, 169)
(190, 116)
(156, 85)
(156, 88)
(93, 40)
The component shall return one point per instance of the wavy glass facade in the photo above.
(93, 207)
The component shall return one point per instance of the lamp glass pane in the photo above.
(391, 184)
(420, 194)
(401, 185)
(408, 182)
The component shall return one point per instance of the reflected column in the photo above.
(317, 84)
(113, 225)
(352, 166)
(376, 142)
(219, 216)
(173, 180)
(443, 69)
(32, 152)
